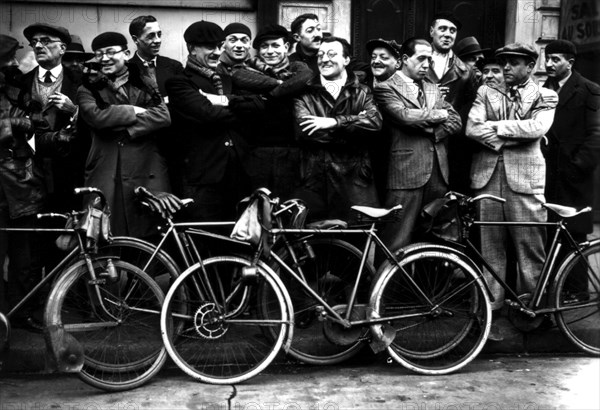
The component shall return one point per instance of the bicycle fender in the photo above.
(572, 255)
(64, 353)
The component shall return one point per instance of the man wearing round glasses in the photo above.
(50, 89)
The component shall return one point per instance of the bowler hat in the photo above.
(481, 63)
(8, 45)
(389, 45)
(518, 49)
(57, 31)
(561, 47)
(271, 32)
(447, 15)
(203, 32)
(109, 39)
(468, 46)
(235, 28)
(75, 49)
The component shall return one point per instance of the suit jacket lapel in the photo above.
(569, 89)
(402, 87)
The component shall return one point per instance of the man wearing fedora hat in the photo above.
(75, 55)
(510, 125)
(459, 84)
(469, 51)
(52, 87)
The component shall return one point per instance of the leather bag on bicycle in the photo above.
(255, 222)
(440, 218)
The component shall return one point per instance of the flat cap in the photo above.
(447, 15)
(518, 49)
(236, 28)
(203, 32)
(468, 46)
(8, 45)
(389, 45)
(561, 47)
(109, 39)
(76, 48)
(271, 32)
(57, 31)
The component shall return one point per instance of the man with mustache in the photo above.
(51, 89)
(510, 125)
(458, 82)
(124, 114)
(419, 122)
(147, 36)
(336, 120)
(211, 148)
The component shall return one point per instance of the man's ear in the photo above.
(127, 54)
(296, 36)
(287, 47)
(135, 39)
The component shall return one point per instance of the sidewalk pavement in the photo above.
(27, 352)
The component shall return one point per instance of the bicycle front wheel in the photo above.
(576, 296)
(115, 321)
(215, 333)
(438, 308)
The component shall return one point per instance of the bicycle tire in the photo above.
(134, 301)
(332, 273)
(577, 287)
(433, 341)
(216, 347)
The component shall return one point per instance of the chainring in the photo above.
(521, 320)
(340, 336)
(207, 322)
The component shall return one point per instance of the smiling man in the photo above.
(419, 121)
(336, 121)
(236, 48)
(124, 117)
(306, 31)
(510, 126)
(147, 36)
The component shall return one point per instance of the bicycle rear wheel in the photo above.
(576, 295)
(329, 268)
(216, 334)
(116, 323)
(443, 334)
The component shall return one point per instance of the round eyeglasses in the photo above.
(43, 41)
(109, 53)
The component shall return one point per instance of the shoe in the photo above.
(495, 335)
(547, 323)
(28, 323)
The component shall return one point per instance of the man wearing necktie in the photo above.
(419, 121)
(510, 125)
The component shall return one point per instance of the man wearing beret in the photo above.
(211, 149)
(236, 48)
(147, 36)
(51, 88)
(573, 149)
(124, 112)
(336, 119)
(22, 186)
(510, 126)
(459, 84)
(274, 160)
(419, 121)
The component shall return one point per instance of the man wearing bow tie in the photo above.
(510, 124)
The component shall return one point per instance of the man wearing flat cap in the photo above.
(510, 126)
(211, 148)
(125, 113)
(274, 160)
(51, 88)
(459, 84)
(419, 121)
(573, 149)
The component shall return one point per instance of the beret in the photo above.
(468, 46)
(57, 31)
(76, 49)
(234, 28)
(8, 45)
(203, 32)
(108, 39)
(518, 49)
(271, 32)
(447, 15)
(389, 45)
(561, 47)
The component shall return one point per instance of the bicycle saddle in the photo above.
(566, 211)
(375, 212)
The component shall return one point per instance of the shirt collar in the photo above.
(146, 61)
(54, 72)
(562, 82)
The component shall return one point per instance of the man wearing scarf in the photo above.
(124, 112)
(274, 160)
(211, 148)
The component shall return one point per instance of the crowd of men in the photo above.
(419, 119)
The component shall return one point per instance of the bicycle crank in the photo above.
(208, 323)
(338, 334)
(523, 319)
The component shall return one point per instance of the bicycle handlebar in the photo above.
(487, 196)
(52, 215)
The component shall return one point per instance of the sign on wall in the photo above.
(580, 23)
